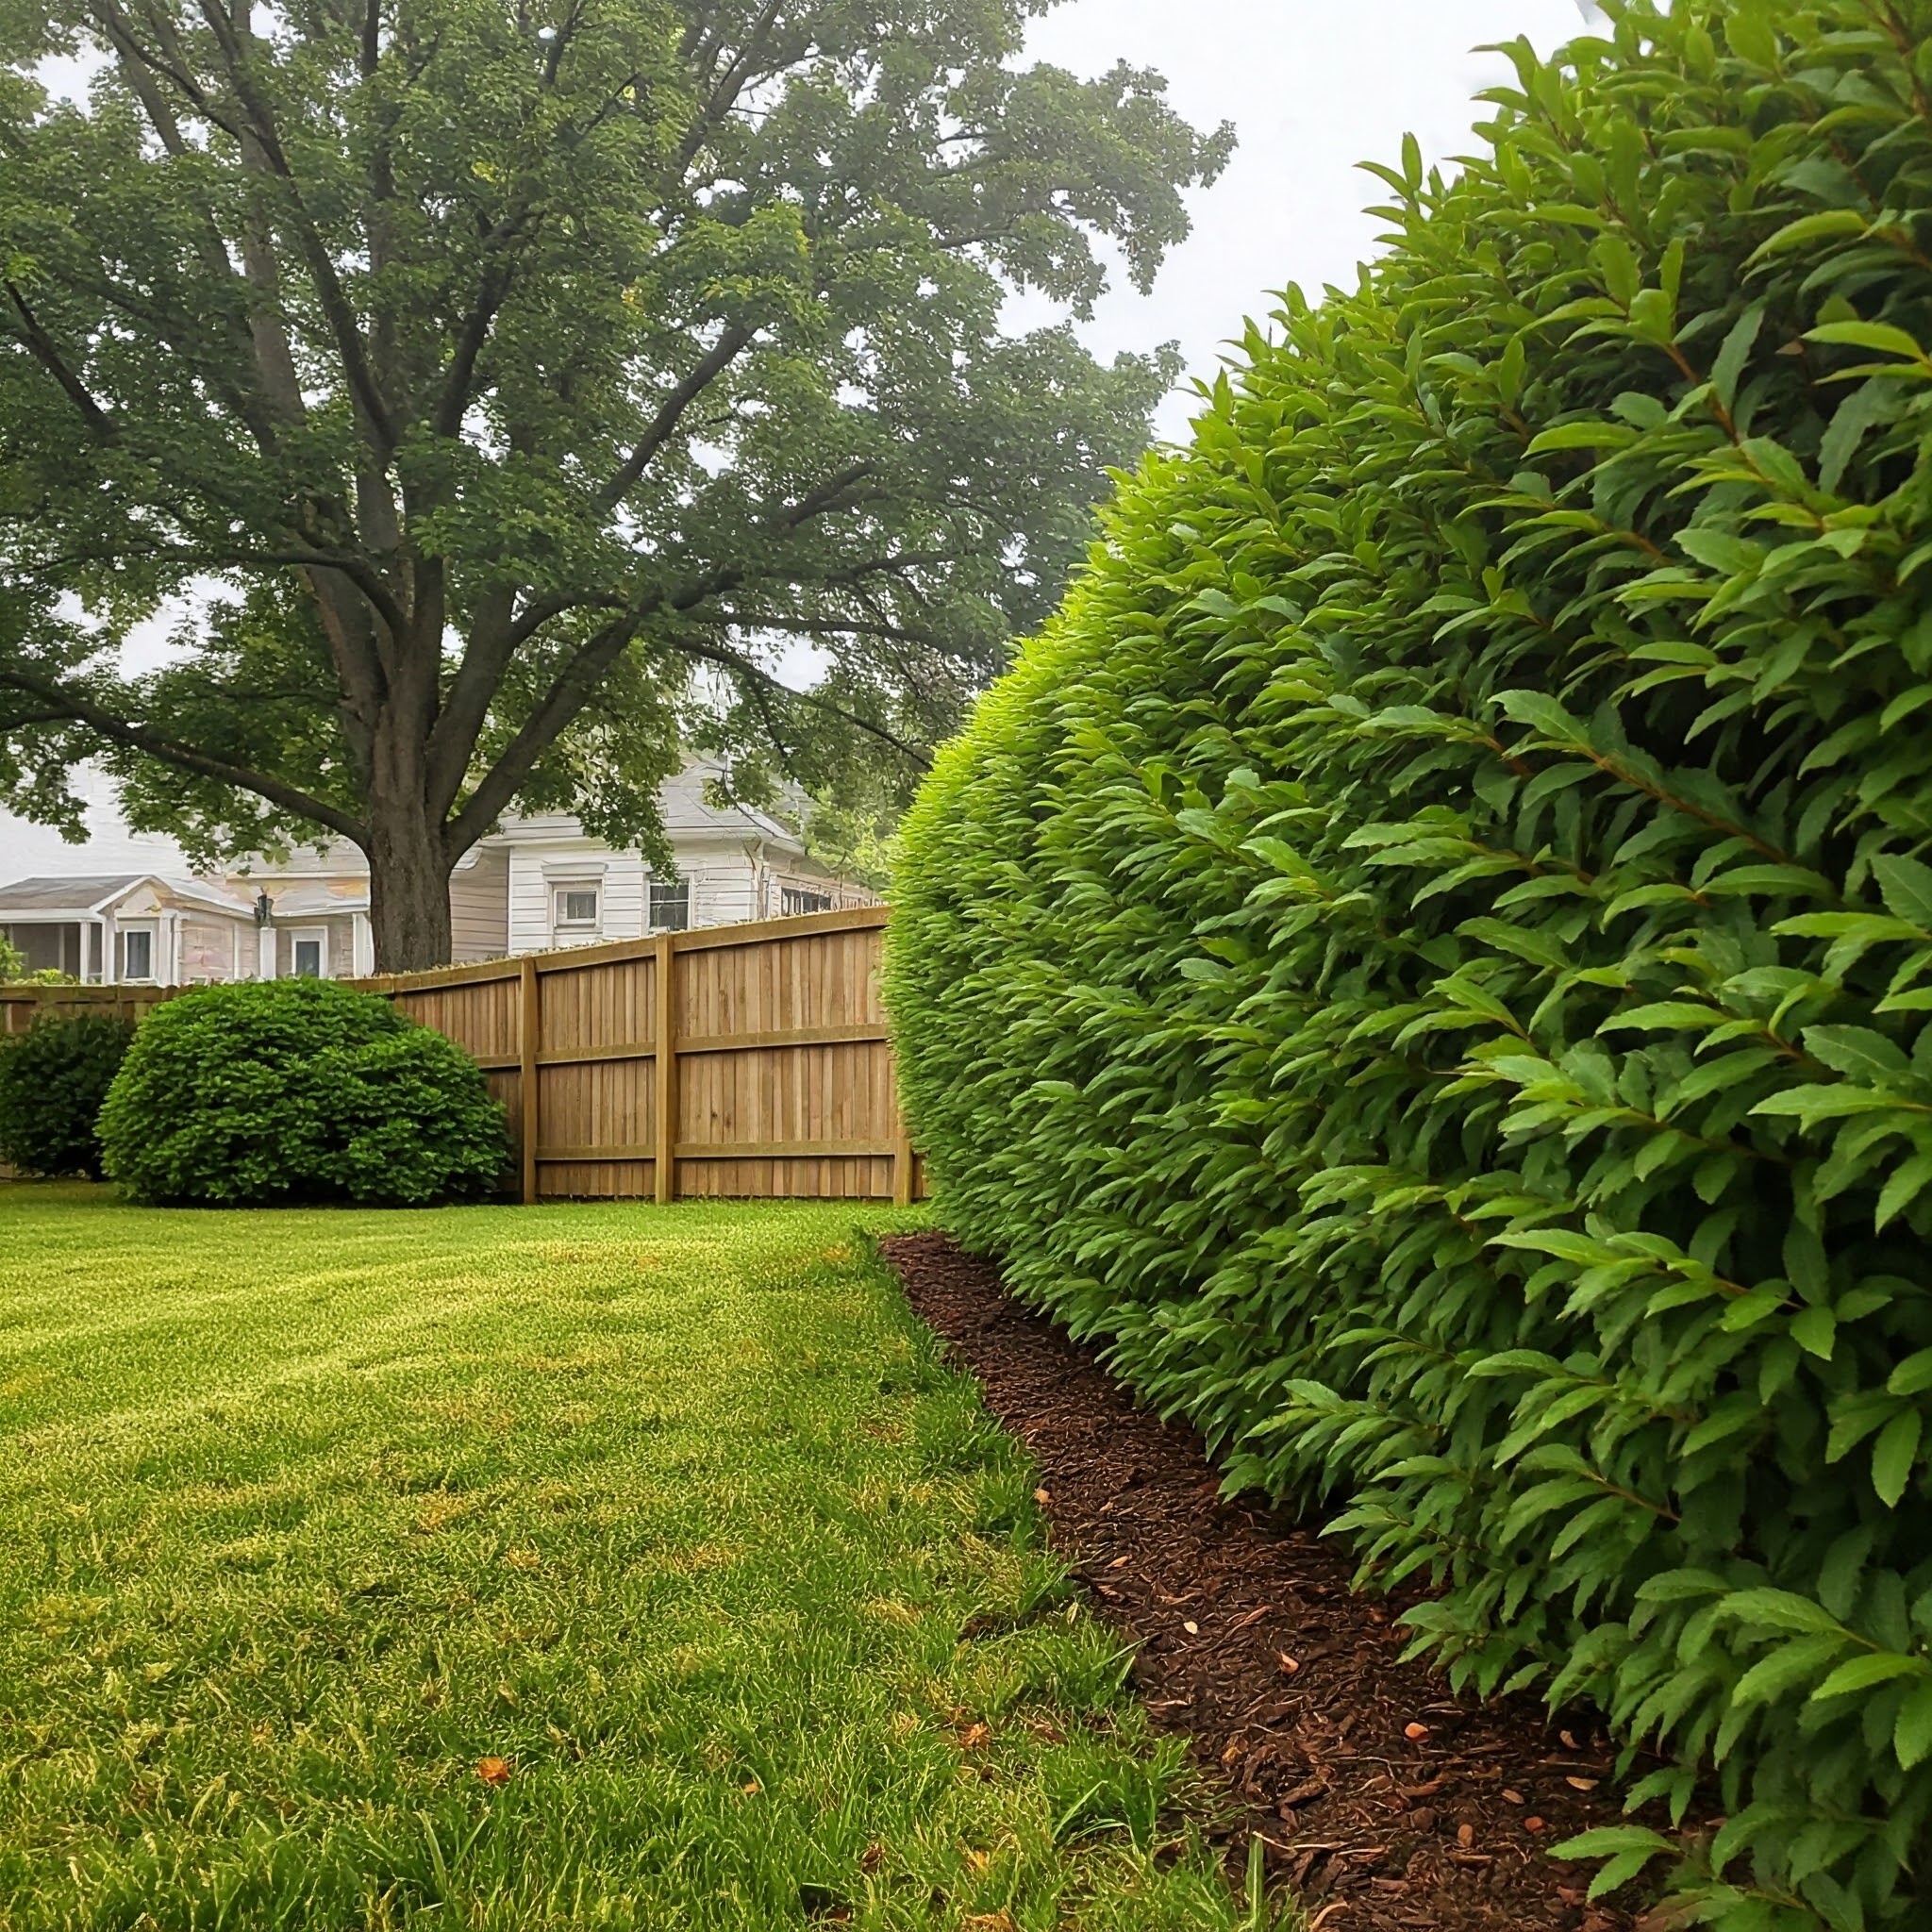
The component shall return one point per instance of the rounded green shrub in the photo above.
(1428, 959)
(52, 1079)
(298, 1090)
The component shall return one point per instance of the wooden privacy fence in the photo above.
(21, 1005)
(733, 1060)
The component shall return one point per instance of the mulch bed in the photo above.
(1383, 1799)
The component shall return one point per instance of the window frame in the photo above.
(823, 902)
(562, 891)
(676, 891)
(300, 936)
(144, 931)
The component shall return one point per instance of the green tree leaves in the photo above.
(513, 386)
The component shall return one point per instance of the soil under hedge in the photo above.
(1251, 1644)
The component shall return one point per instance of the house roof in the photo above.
(65, 895)
(687, 813)
(318, 898)
(89, 893)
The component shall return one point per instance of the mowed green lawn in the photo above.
(307, 1516)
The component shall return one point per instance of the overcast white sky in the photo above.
(1313, 87)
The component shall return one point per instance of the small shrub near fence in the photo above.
(52, 1080)
(1428, 959)
(298, 1090)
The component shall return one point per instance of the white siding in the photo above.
(724, 885)
(480, 908)
(537, 870)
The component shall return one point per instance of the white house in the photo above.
(123, 906)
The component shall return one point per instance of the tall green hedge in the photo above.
(1428, 958)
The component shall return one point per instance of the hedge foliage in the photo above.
(1429, 956)
(298, 1090)
(52, 1079)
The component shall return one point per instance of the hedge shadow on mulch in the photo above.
(1383, 1800)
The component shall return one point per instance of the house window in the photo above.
(794, 900)
(576, 906)
(136, 952)
(309, 954)
(669, 905)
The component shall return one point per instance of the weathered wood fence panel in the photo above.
(21, 1005)
(736, 1060)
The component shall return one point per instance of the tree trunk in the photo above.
(409, 889)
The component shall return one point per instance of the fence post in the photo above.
(901, 1166)
(665, 1165)
(529, 1021)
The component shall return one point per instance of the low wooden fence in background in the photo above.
(21, 1005)
(734, 1060)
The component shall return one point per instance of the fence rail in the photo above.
(735, 1060)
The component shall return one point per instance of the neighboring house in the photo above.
(539, 883)
(131, 928)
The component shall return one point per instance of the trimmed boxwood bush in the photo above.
(1428, 959)
(298, 1090)
(52, 1079)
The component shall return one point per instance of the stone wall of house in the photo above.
(213, 948)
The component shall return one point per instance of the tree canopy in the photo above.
(509, 384)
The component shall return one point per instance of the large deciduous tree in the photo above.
(507, 384)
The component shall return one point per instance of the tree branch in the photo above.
(826, 497)
(755, 673)
(259, 134)
(570, 692)
(664, 425)
(40, 346)
(154, 745)
(732, 83)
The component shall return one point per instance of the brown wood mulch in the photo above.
(1384, 1800)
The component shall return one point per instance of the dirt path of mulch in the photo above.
(1385, 1801)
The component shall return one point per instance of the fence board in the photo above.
(777, 1080)
(21, 1005)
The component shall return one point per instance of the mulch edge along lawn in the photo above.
(1252, 1644)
